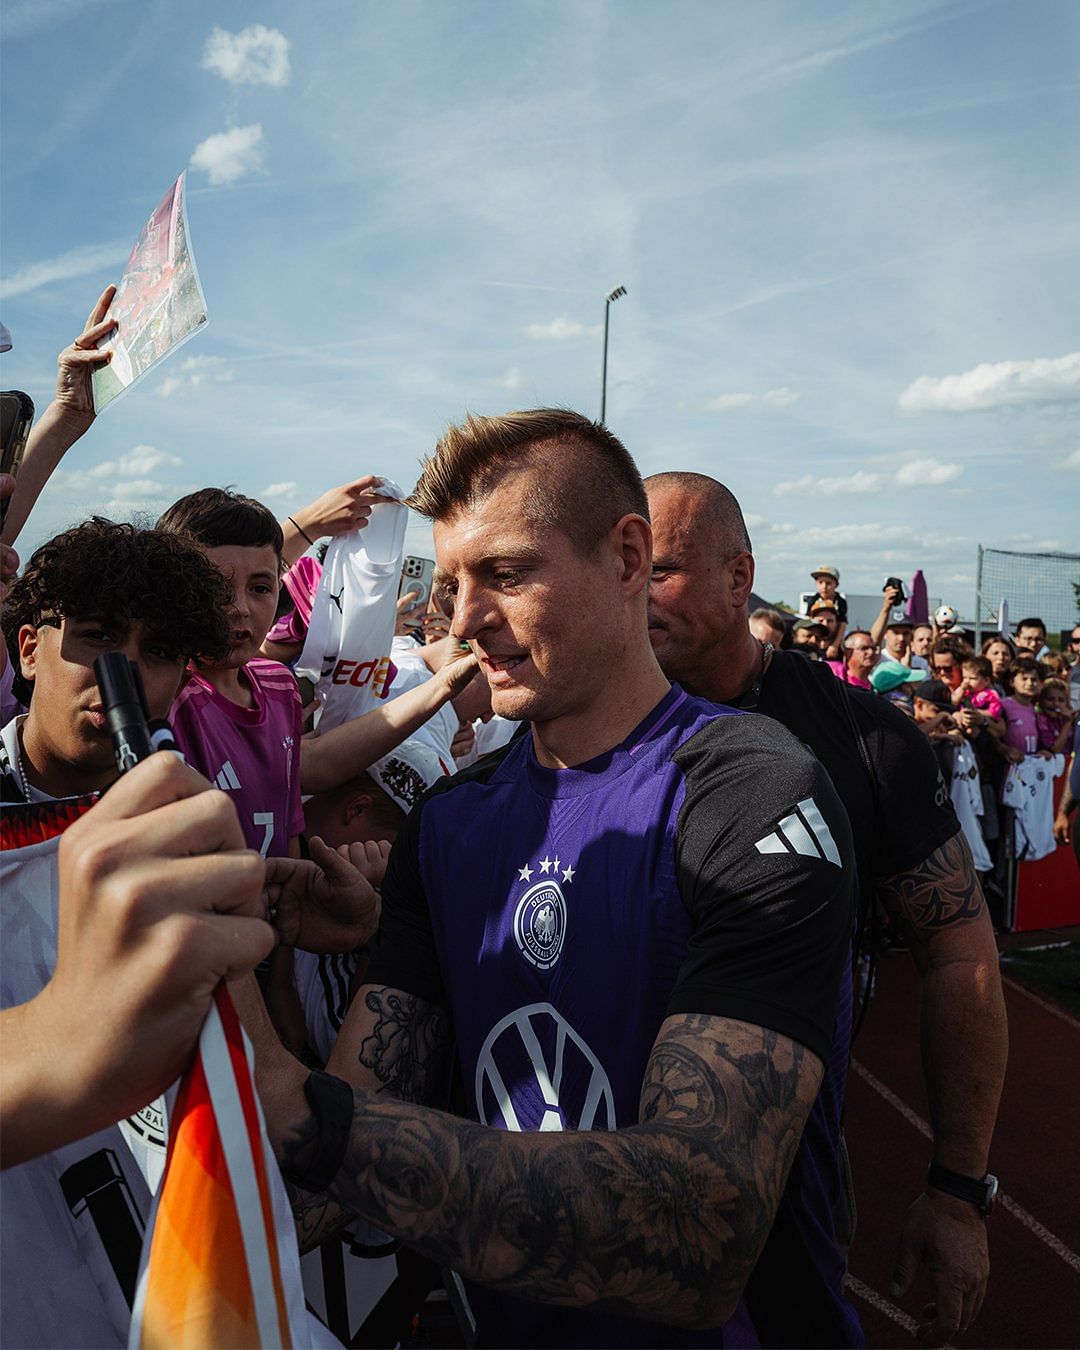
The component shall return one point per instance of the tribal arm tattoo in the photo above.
(662, 1220)
(941, 893)
(391, 1044)
(964, 1032)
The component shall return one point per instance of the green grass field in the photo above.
(1055, 974)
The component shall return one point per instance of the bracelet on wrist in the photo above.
(296, 523)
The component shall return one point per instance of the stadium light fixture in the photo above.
(609, 300)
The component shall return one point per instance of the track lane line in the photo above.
(1042, 1003)
(1005, 1201)
(889, 1310)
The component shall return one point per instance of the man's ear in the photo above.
(355, 806)
(28, 643)
(741, 570)
(634, 543)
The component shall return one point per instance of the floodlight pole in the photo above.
(609, 300)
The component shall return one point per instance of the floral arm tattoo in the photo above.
(405, 1048)
(662, 1220)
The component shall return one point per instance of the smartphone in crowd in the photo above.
(897, 614)
(16, 419)
(416, 575)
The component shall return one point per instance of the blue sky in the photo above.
(848, 234)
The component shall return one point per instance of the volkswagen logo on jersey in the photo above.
(540, 924)
(534, 1072)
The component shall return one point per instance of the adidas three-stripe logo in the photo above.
(803, 832)
(226, 778)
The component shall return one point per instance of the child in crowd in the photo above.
(975, 689)
(1054, 717)
(827, 580)
(239, 720)
(932, 706)
(1021, 728)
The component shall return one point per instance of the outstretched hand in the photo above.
(76, 363)
(329, 904)
(948, 1238)
(341, 509)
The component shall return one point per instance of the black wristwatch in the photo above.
(978, 1191)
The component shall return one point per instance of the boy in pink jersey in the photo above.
(239, 720)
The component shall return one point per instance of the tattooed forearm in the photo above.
(941, 892)
(964, 1034)
(407, 1047)
(404, 1052)
(662, 1220)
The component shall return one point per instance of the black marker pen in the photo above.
(124, 705)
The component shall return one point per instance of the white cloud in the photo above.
(78, 262)
(851, 534)
(856, 484)
(782, 397)
(229, 155)
(1072, 461)
(255, 55)
(138, 489)
(917, 473)
(560, 329)
(289, 489)
(116, 487)
(513, 379)
(1048, 379)
(926, 473)
(136, 463)
(726, 402)
(191, 373)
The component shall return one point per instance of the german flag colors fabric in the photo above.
(220, 1263)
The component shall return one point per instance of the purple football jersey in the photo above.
(702, 866)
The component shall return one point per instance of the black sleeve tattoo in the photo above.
(942, 892)
(662, 1220)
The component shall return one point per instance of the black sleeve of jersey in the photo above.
(766, 869)
(403, 955)
(913, 813)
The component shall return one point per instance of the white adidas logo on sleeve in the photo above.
(226, 778)
(803, 832)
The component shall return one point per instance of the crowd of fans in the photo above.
(1013, 701)
(214, 605)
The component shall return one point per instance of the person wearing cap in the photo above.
(893, 680)
(826, 613)
(933, 706)
(894, 640)
(827, 579)
(808, 637)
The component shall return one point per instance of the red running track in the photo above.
(1033, 1298)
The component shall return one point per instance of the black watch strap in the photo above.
(331, 1102)
(978, 1191)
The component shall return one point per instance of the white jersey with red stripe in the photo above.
(73, 1219)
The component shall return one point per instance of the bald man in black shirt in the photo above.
(910, 853)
